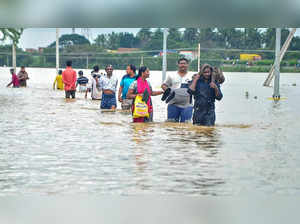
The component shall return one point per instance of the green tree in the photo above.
(156, 42)
(101, 40)
(158, 34)
(11, 33)
(230, 38)
(144, 36)
(128, 40)
(191, 35)
(236, 39)
(207, 37)
(295, 44)
(253, 38)
(174, 34)
(113, 41)
(269, 37)
(67, 40)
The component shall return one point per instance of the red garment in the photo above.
(69, 78)
(143, 85)
(15, 80)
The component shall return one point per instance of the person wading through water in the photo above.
(126, 81)
(180, 108)
(143, 88)
(108, 83)
(205, 93)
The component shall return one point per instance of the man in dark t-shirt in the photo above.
(82, 81)
(23, 77)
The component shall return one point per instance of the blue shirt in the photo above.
(125, 83)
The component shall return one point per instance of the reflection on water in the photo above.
(50, 145)
(175, 160)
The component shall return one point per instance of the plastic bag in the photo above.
(140, 108)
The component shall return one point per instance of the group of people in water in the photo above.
(189, 97)
(19, 80)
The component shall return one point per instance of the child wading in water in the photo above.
(14, 79)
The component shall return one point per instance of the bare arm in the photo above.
(131, 95)
(9, 84)
(120, 93)
(194, 82)
(54, 83)
(156, 93)
(167, 83)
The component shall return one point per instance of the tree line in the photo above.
(242, 38)
(149, 42)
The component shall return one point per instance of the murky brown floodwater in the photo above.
(51, 146)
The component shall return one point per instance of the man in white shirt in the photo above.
(180, 108)
(108, 83)
(96, 92)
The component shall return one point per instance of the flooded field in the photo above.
(53, 146)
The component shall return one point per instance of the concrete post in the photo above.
(165, 54)
(57, 50)
(276, 94)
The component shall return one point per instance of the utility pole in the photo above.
(57, 50)
(165, 32)
(276, 95)
(142, 61)
(14, 57)
(87, 61)
(283, 50)
(199, 57)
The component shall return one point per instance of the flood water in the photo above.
(53, 146)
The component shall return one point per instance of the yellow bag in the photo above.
(140, 108)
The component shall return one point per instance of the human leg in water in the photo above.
(205, 117)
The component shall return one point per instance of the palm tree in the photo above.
(14, 35)
(11, 33)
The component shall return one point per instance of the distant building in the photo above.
(31, 50)
(126, 50)
(161, 53)
(41, 49)
(190, 55)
